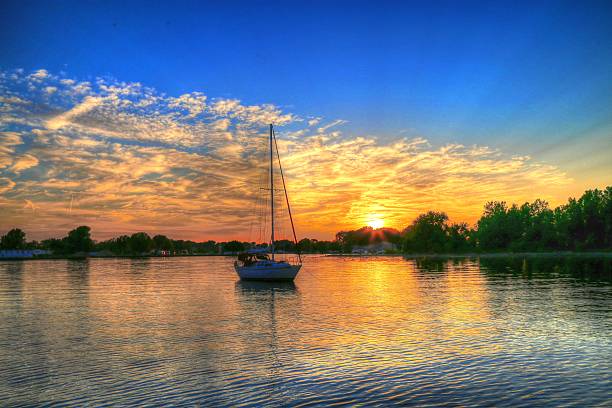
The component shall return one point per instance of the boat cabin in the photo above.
(249, 259)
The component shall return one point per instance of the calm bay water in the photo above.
(375, 331)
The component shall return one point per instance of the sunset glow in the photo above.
(121, 157)
(376, 223)
(106, 136)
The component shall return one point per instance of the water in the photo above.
(371, 331)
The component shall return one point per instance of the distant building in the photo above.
(374, 249)
(22, 253)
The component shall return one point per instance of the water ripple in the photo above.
(349, 332)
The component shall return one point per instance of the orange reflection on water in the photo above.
(358, 308)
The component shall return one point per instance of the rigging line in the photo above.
(272, 191)
(297, 248)
(257, 205)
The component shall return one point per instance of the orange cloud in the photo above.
(123, 158)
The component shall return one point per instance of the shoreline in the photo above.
(547, 254)
(550, 254)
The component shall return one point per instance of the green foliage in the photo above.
(430, 232)
(207, 247)
(163, 243)
(55, 245)
(141, 243)
(307, 245)
(284, 245)
(233, 246)
(14, 239)
(364, 236)
(582, 224)
(458, 238)
(586, 223)
(78, 240)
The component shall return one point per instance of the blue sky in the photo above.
(532, 78)
(448, 70)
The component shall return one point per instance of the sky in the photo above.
(152, 116)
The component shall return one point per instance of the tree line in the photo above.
(580, 224)
(79, 241)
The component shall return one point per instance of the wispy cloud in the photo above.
(124, 157)
(23, 162)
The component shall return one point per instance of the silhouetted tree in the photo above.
(78, 240)
(141, 242)
(306, 245)
(427, 233)
(208, 247)
(284, 245)
(14, 239)
(233, 246)
(54, 245)
(458, 238)
(581, 224)
(163, 243)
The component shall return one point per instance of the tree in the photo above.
(539, 231)
(427, 233)
(306, 245)
(163, 243)
(349, 239)
(141, 242)
(119, 245)
(607, 211)
(78, 240)
(181, 245)
(284, 245)
(14, 239)
(233, 246)
(458, 237)
(54, 245)
(499, 227)
(208, 247)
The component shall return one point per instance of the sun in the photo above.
(376, 223)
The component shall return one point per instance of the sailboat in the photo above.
(258, 265)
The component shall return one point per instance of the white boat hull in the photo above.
(270, 272)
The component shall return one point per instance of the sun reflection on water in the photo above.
(367, 329)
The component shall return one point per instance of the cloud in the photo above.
(29, 205)
(124, 158)
(314, 121)
(24, 162)
(8, 141)
(39, 75)
(6, 184)
(337, 122)
(194, 103)
(348, 181)
(66, 118)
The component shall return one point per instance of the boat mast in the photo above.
(271, 191)
(280, 166)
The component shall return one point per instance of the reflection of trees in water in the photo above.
(546, 296)
(13, 271)
(262, 312)
(595, 268)
(78, 272)
(582, 268)
(431, 264)
(442, 265)
(140, 265)
(11, 280)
